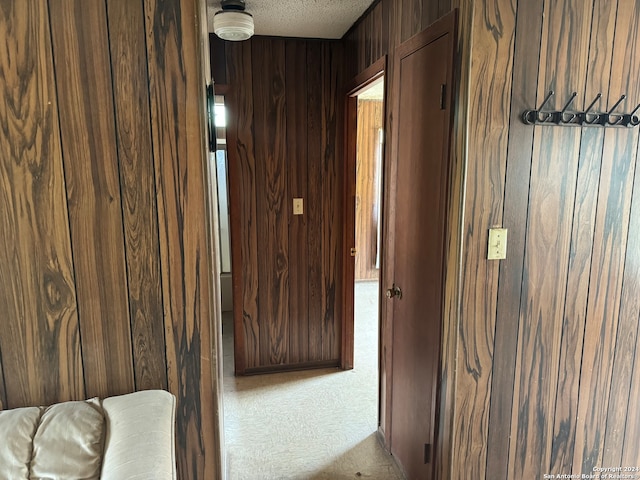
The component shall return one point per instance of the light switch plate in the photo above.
(298, 208)
(497, 244)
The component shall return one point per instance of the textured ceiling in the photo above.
(300, 18)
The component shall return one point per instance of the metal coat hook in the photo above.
(620, 117)
(586, 118)
(571, 115)
(595, 115)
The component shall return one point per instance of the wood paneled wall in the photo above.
(284, 135)
(105, 264)
(541, 360)
(370, 120)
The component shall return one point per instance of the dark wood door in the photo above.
(424, 67)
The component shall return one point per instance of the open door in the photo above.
(365, 103)
(424, 77)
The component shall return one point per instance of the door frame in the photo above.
(356, 85)
(447, 24)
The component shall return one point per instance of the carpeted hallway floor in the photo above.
(315, 424)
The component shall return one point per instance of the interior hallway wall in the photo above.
(104, 248)
(285, 131)
(540, 358)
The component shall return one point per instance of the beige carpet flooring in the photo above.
(315, 424)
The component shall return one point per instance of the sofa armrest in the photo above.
(139, 442)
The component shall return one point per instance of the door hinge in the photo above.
(427, 453)
(443, 97)
(353, 252)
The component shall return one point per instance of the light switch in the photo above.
(298, 208)
(497, 244)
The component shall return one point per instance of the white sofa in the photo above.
(124, 437)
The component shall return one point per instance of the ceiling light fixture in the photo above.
(232, 22)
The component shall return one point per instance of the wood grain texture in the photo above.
(272, 201)
(314, 192)
(177, 123)
(564, 53)
(40, 344)
(218, 59)
(444, 455)
(242, 208)
(3, 389)
(588, 178)
(630, 310)
(128, 60)
(349, 228)
(370, 123)
(296, 141)
(411, 18)
(624, 350)
(391, 21)
(332, 183)
(604, 378)
(80, 269)
(83, 78)
(527, 42)
(489, 108)
(377, 46)
(283, 138)
(561, 300)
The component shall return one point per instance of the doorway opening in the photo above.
(219, 165)
(369, 148)
(364, 167)
(369, 152)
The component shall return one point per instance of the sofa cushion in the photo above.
(17, 428)
(139, 443)
(69, 442)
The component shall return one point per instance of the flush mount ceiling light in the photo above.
(232, 22)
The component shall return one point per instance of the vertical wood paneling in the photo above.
(392, 20)
(622, 356)
(40, 342)
(285, 121)
(444, 7)
(367, 34)
(218, 59)
(242, 183)
(128, 60)
(600, 379)
(631, 310)
(548, 386)
(272, 201)
(564, 53)
(526, 55)
(369, 122)
(296, 116)
(430, 13)
(3, 390)
(411, 18)
(78, 173)
(176, 86)
(315, 203)
(446, 450)
(376, 33)
(83, 79)
(332, 90)
(579, 269)
(487, 138)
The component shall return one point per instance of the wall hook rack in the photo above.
(586, 118)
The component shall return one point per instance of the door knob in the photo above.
(394, 291)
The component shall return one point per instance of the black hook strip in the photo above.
(581, 119)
